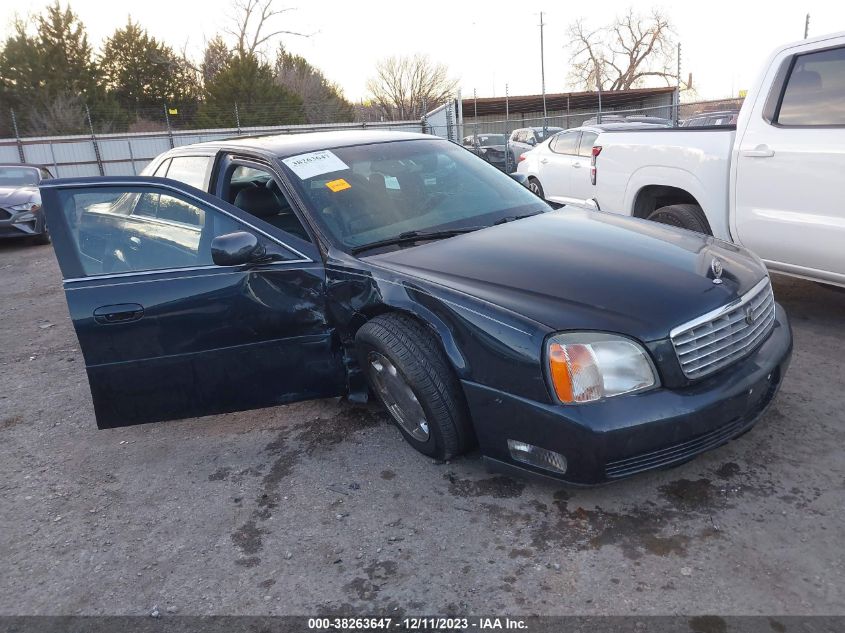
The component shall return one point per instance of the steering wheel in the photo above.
(272, 186)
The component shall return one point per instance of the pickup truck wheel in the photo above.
(685, 216)
(409, 373)
(535, 186)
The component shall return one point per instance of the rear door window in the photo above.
(565, 143)
(815, 90)
(192, 170)
(588, 139)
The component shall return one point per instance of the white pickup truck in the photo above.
(774, 183)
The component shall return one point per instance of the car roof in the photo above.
(30, 165)
(285, 145)
(621, 125)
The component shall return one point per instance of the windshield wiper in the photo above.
(414, 236)
(511, 218)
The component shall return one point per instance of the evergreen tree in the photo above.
(249, 83)
(48, 77)
(143, 74)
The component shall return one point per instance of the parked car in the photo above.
(580, 345)
(20, 202)
(559, 168)
(710, 119)
(773, 184)
(490, 147)
(527, 138)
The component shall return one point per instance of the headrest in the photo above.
(259, 201)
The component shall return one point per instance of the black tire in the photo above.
(685, 216)
(419, 359)
(535, 186)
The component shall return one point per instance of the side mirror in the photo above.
(522, 179)
(235, 249)
(531, 141)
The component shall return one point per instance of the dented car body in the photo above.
(581, 345)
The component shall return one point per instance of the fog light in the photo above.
(536, 456)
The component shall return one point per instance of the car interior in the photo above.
(255, 191)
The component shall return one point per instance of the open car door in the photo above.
(166, 332)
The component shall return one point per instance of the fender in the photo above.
(713, 202)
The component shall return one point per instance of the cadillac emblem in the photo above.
(716, 269)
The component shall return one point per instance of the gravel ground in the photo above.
(321, 507)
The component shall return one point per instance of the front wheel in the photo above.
(685, 216)
(410, 374)
(535, 186)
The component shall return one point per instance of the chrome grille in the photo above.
(723, 336)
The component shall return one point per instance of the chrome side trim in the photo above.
(166, 271)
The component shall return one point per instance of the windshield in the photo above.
(491, 139)
(18, 177)
(370, 193)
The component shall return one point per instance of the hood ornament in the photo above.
(717, 270)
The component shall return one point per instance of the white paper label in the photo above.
(314, 164)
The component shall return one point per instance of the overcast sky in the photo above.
(485, 43)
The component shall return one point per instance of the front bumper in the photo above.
(625, 435)
(12, 223)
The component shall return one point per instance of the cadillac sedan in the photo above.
(249, 273)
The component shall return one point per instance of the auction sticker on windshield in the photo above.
(338, 185)
(314, 164)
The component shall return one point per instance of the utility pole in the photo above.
(507, 132)
(807, 26)
(678, 90)
(475, 112)
(543, 72)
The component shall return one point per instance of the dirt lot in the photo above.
(320, 507)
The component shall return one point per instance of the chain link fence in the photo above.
(104, 145)
(113, 143)
(487, 131)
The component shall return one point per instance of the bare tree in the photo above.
(626, 54)
(63, 114)
(251, 19)
(405, 87)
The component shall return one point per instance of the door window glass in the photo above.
(134, 229)
(189, 169)
(161, 170)
(815, 90)
(256, 191)
(587, 141)
(565, 143)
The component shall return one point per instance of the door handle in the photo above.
(121, 313)
(576, 165)
(761, 151)
(544, 160)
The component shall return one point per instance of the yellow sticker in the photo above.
(338, 185)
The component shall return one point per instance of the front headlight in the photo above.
(588, 366)
(26, 206)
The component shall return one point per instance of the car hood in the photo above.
(586, 270)
(10, 196)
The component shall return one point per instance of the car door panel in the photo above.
(201, 339)
(581, 186)
(556, 173)
(789, 163)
